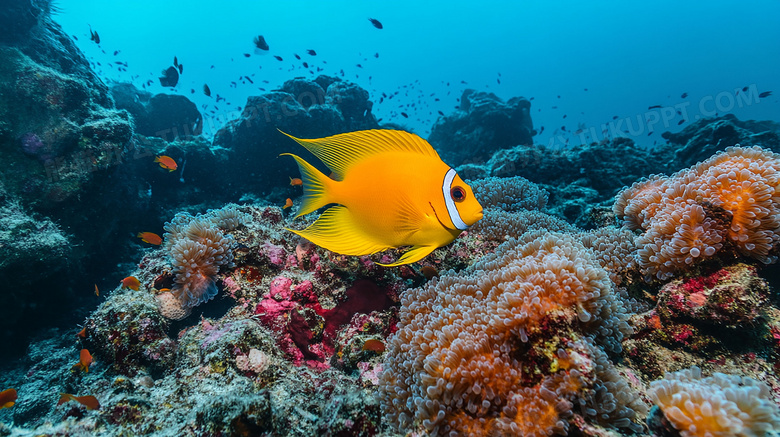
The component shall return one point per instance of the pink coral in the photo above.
(306, 330)
(275, 254)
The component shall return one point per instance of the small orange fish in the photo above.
(97, 292)
(166, 162)
(7, 398)
(288, 203)
(90, 402)
(374, 345)
(131, 282)
(85, 359)
(150, 237)
(82, 333)
(429, 272)
(296, 181)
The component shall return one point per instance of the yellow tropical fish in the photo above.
(390, 188)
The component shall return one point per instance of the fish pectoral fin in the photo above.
(408, 217)
(337, 231)
(414, 254)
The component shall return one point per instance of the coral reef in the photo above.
(164, 116)
(604, 166)
(559, 331)
(482, 125)
(129, 333)
(719, 405)
(721, 317)
(473, 354)
(731, 199)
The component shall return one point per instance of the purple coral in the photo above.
(32, 145)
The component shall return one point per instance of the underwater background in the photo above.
(623, 279)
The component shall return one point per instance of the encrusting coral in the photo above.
(716, 406)
(509, 345)
(198, 249)
(731, 199)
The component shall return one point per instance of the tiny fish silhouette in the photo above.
(93, 36)
(170, 77)
(376, 23)
(260, 43)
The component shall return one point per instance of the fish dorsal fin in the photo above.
(342, 151)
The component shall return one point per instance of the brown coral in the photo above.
(732, 198)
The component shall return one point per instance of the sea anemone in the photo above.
(731, 199)
(717, 406)
(509, 345)
(198, 249)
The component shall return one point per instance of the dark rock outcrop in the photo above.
(604, 167)
(302, 108)
(482, 125)
(58, 132)
(707, 136)
(165, 116)
(62, 144)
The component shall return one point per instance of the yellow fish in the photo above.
(390, 188)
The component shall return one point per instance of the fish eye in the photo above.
(458, 194)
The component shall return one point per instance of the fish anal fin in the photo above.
(414, 254)
(337, 231)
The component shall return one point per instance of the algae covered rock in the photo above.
(301, 108)
(55, 133)
(483, 124)
(163, 116)
(707, 136)
(34, 252)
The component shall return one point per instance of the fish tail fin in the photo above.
(316, 186)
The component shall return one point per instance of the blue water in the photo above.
(589, 61)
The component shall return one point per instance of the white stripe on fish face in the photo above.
(452, 209)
